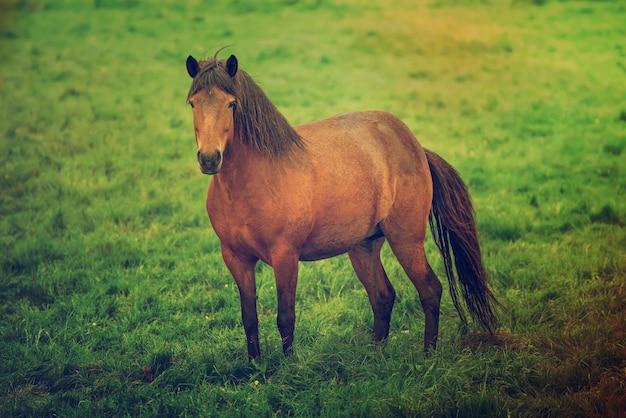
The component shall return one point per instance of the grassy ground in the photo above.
(114, 300)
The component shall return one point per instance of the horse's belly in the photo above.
(320, 255)
(313, 254)
(337, 239)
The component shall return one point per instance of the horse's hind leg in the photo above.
(365, 259)
(410, 253)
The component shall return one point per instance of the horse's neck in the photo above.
(246, 169)
(240, 168)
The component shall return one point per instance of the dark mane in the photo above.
(258, 123)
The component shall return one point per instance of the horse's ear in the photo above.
(192, 66)
(231, 66)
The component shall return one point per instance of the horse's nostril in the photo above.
(210, 163)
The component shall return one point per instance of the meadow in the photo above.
(114, 300)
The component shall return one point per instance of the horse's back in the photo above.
(375, 136)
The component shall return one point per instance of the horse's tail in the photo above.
(454, 228)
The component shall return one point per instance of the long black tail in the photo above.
(454, 228)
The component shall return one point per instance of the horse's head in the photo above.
(212, 98)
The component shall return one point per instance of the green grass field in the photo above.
(114, 300)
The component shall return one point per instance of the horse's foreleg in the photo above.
(286, 275)
(243, 273)
(366, 262)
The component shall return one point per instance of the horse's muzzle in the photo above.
(210, 163)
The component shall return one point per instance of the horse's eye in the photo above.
(191, 104)
(232, 104)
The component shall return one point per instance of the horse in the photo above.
(346, 184)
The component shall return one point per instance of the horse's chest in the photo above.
(256, 224)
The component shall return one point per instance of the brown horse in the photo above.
(345, 184)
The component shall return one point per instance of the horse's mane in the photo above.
(258, 123)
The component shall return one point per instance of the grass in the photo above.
(114, 299)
